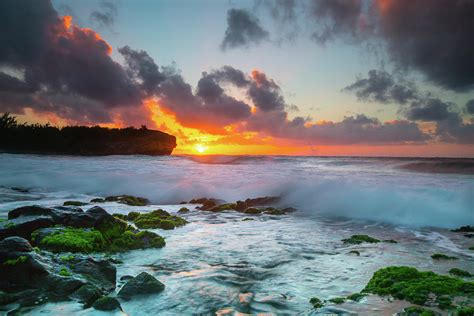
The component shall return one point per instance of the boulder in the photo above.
(107, 303)
(87, 294)
(144, 283)
(15, 243)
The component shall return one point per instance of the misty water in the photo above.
(221, 264)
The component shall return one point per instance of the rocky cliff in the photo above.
(82, 140)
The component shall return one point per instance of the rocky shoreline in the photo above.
(64, 253)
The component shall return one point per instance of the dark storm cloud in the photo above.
(25, 36)
(335, 18)
(454, 130)
(429, 109)
(431, 37)
(470, 107)
(54, 62)
(434, 37)
(143, 67)
(243, 28)
(210, 109)
(265, 93)
(380, 86)
(105, 17)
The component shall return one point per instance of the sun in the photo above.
(201, 148)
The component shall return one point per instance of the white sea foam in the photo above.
(360, 188)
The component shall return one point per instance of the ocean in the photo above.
(219, 264)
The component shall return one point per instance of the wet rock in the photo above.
(107, 303)
(45, 275)
(126, 277)
(20, 189)
(419, 287)
(440, 256)
(316, 302)
(24, 227)
(356, 297)
(143, 283)
(359, 239)
(67, 239)
(87, 294)
(159, 219)
(15, 244)
(183, 210)
(354, 252)
(74, 203)
(102, 272)
(252, 210)
(33, 210)
(262, 201)
(464, 229)
(128, 200)
(222, 207)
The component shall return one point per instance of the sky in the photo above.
(296, 77)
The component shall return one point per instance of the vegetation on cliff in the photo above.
(81, 140)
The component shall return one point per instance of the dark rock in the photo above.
(87, 294)
(102, 272)
(128, 199)
(74, 203)
(126, 277)
(464, 229)
(143, 283)
(208, 205)
(252, 210)
(183, 210)
(15, 243)
(24, 227)
(262, 201)
(21, 190)
(107, 303)
(33, 210)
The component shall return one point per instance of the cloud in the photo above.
(143, 68)
(243, 28)
(105, 17)
(431, 37)
(428, 110)
(454, 130)
(428, 37)
(336, 18)
(470, 107)
(51, 64)
(265, 93)
(380, 86)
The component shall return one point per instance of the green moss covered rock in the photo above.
(460, 273)
(440, 256)
(417, 311)
(359, 239)
(337, 300)
(144, 283)
(68, 239)
(356, 297)
(414, 286)
(316, 302)
(128, 200)
(159, 219)
(74, 203)
(106, 303)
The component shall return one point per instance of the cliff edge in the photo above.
(82, 140)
